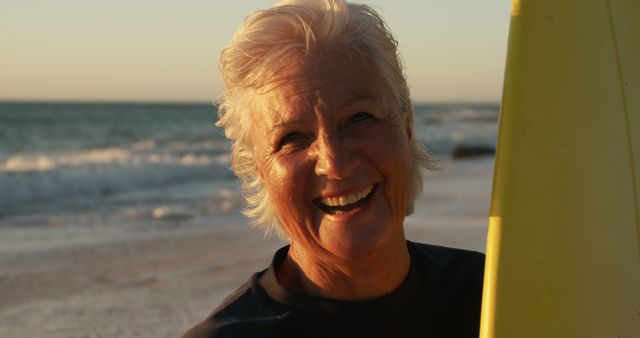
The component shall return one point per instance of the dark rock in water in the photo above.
(481, 119)
(466, 151)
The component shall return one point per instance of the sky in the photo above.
(158, 50)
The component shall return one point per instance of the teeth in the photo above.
(346, 199)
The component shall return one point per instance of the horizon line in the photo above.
(199, 102)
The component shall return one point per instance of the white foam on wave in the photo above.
(172, 213)
(40, 163)
(85, 186)
(88, 176)
(140, 153)
(145, 144)
(27, 163)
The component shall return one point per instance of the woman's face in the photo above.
(335, 163)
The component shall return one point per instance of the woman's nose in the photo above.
(334, 158)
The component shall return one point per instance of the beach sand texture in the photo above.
(166, 275)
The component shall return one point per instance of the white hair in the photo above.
(260, 49)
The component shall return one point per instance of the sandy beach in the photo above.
(165, 276)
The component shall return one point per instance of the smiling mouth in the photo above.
(345, 203)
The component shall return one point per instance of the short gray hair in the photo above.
(260, 49)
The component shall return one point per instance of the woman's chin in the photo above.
(355, 242)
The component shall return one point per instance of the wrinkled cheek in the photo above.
(401, 197)
(287, 188)
(399, 167)
(407, 188)
(288, 207)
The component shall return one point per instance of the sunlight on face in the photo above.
(335, 163)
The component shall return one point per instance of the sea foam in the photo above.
(80, 177)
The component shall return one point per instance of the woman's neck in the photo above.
(366, 277)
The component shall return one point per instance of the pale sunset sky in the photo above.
(144, 50)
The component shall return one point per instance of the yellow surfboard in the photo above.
(563, 252)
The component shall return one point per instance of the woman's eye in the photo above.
(360, 117)
(291, 140)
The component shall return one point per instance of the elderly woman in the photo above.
(318, 109)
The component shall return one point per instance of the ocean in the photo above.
(108, 163)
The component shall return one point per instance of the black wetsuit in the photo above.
(440, 298)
